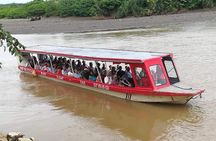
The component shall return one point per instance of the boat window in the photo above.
(157, 75)
(170, 70)
(140, 74)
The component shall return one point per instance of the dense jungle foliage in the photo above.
(113, 8)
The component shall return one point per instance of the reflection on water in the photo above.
(136, 120)
(50, 110)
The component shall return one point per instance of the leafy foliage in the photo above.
(13, 11)
(114, 8)
(52, 8)
(166, 6)
(136, 8)
(107, 7)
(36, 8)
(77, 8)
(12, 43)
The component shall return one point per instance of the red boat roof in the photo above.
(124, 56)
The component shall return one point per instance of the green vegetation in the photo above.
(113, 8)
(8, 41)
(77, 8)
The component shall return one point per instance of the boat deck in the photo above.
(179, 87)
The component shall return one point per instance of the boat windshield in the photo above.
(170, 70)
(157, 75)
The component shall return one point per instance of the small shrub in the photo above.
(166, 6)
(15, 13)
(123, 10)
(108, 7)
(77, 8)
(136, 8)
(36, 8)
(51, 8)
(206, 3)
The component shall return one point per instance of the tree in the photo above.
(8, 41)
(108, 7)
(36, 8)
(77, 8)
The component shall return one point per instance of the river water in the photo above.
(51, 111)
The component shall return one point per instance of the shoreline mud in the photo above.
(54, 25)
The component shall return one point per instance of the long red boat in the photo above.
(131, 75)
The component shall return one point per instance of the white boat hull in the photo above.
(132, 97)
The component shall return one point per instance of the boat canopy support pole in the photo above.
(98, 71)
(50, 59)
(107, 68)
(33, 60)
(71, 65)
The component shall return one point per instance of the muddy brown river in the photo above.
(52, 111)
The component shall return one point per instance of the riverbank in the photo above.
(76, 25)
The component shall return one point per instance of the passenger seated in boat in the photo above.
(76, 74)
(92, 76)
(128, 73)
(67, 68)
(115, 80)
(98, 79)
(160, 78)
(141, 78)
(64, 61)
(46, 67)
(120, 73)
(145, 81)
(98, 67)
(38, 67)
(64, 70)
(55, 60)
(83, 66)
(78, 65)
(103, 67)
(68, 62)
(127, 79)
(85, 74)
(70, 73)
(59, 70)
(49, 69)
(108, 78)
(103, 72)
(113, 70)
(90, 67)
(110, 68)
(73, 64)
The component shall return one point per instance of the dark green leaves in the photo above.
(113, 8)
(8, 41)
